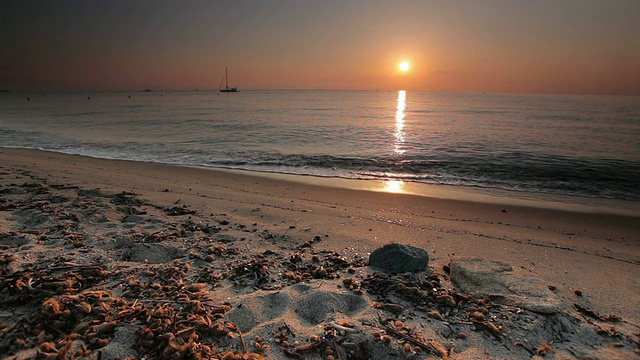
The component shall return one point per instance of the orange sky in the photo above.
(559, 46)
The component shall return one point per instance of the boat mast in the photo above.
(226, 78)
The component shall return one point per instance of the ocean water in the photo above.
(586, 146)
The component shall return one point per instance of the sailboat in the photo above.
(226, 83)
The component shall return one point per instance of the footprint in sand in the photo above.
(310, 307)
(316, 306)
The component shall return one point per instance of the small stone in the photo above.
(399, 258)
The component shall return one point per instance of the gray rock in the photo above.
(399, 258)
(504, 284)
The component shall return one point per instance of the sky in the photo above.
(521, 46)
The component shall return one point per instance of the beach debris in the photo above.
(419, 290)
(426, 294)
(489, 327)
(254, 272)
(314, 344)
(8, 205)
(64, 293)
(343, 327)
(435, 314)
(246, 356)
(353, 284)
(261, 345)
(123, 198)
(132, 219)
(179, 210)
(393, 308)
(592, 314)
(544, 348)
(399, 258)
(400, 330)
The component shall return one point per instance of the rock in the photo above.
(399, 258)
(504, 284)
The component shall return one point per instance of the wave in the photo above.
(589, 177)
(606, 178)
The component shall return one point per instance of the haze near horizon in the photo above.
(568, 46)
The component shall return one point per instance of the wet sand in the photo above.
(215, 227)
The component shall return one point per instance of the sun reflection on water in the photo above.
(393, 186)
(396, 186)
(399, 130)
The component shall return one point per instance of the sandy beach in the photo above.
(107, 259)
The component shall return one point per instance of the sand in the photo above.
(105, 259)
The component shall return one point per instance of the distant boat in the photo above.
(225, 79)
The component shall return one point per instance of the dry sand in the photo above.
(102, 258)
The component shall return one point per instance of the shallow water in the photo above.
(552, 144)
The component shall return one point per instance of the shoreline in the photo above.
(496, 196)
(155, 178)
(458, 193)
(314, 187)
(594, 254)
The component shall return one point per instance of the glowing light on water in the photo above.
(399, 130)
(393, 186)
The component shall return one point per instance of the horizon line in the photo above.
(327, 90)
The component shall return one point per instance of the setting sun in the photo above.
(404, 66)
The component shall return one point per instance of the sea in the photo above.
(558, 145)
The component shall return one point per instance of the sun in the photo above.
(404, 66)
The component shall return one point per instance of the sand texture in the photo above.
(104, 259)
